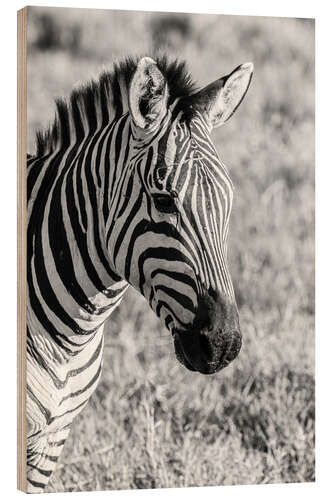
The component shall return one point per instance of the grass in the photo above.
(151, 423)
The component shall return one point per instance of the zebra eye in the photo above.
(165, 203)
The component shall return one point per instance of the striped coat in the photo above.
(126, 188)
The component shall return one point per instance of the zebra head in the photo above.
(171, 214)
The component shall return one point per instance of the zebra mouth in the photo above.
(196, 353)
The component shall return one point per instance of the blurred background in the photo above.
(151, 423)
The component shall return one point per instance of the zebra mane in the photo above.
(100, 101)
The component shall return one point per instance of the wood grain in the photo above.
(21, 245)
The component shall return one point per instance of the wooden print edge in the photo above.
(21, 246)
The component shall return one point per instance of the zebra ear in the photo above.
(220, 99)
(148, 94)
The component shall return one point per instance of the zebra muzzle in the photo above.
(198, 353)
(214, 339)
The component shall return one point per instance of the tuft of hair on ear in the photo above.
(155, 89)
(148, 94)
(219, 100)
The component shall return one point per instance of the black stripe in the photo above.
(35, 483)
(46, 473)
(72, 410)
(183, 300)
(84, 389)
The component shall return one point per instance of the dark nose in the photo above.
(214, 338)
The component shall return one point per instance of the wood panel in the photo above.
(21, 245)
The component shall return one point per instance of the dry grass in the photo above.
(151, 423)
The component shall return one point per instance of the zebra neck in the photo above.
(74, 287)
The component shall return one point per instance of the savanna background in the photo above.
(151, 423)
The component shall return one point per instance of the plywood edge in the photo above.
(21, 246)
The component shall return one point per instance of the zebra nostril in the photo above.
(233, 346)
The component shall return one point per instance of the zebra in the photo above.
(125, 188)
